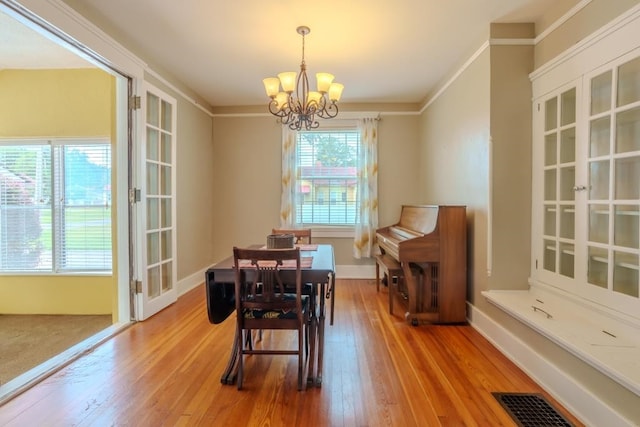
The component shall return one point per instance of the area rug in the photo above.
(29, 340)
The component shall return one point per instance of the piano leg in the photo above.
(412, 291)
(415, 306)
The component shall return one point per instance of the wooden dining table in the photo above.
(220, 283)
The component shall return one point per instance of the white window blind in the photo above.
(55, 207)
(327, 181)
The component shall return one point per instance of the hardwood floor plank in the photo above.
(378, 371)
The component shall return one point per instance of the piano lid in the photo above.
(419, 218)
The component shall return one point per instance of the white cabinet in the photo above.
(586, 218)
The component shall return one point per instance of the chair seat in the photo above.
(256, 313)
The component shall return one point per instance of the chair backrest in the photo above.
(300, 234)
(260, 286)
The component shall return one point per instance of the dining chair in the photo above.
(264, 303)
(300, 234)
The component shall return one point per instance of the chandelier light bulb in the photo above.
(324, 81)
(271, 86)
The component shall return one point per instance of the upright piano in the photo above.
(432, 241)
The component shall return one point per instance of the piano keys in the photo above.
(430, 240)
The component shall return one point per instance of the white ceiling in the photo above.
(381, 50)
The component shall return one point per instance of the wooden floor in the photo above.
(378, 371)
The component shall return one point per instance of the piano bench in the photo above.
(390, 268)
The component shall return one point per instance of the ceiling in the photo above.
(383, 51)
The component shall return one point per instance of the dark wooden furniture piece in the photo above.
(302, 235)
(220, 278)
(264, 301)
(429, 245)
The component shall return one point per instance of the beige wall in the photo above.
(247, 169)
(454, 159)
(511, 162)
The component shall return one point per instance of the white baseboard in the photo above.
(566, 390)
(190, 282)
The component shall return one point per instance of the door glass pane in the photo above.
(600, 137)
(567, 182)
(153, 221)
(152, 179)
(568, 105)
(598, 265)
(166, 245)
(629, 82)
(599, 223)
(165, 178)
(166, 212)
(550, 220)
(627, 178)
(628, 131)
(166, 116)
(549, 255)
(550, 184)
(550, 151)
(165, 148)
(568, 145)
(567, 222)
(626, 226)
(601, 93)
(153, 105)
(566, 259)
(153, 282)
(551, 114)
(152, 144)
(625, 273)
(153, 247)
(167, 277)
(599, 180)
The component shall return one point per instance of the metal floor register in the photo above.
(531, 410)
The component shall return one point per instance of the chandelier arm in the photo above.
(329, 112)
(273, 109)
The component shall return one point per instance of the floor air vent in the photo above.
(531, 410)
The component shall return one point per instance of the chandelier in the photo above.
(300, 109)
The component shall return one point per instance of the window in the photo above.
(327, 184)
(55, 206)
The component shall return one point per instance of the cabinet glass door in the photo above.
(613, 238)
(559, 185)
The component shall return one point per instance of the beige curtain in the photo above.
(367, 222)
(289, 172)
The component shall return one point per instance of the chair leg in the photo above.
(241, 357)
(391, 294)
(248, 339)
(306, 337)
(300, 363)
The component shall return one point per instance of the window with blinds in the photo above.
(327, 185)
(55, 206)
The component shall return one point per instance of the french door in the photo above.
(155, 205)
